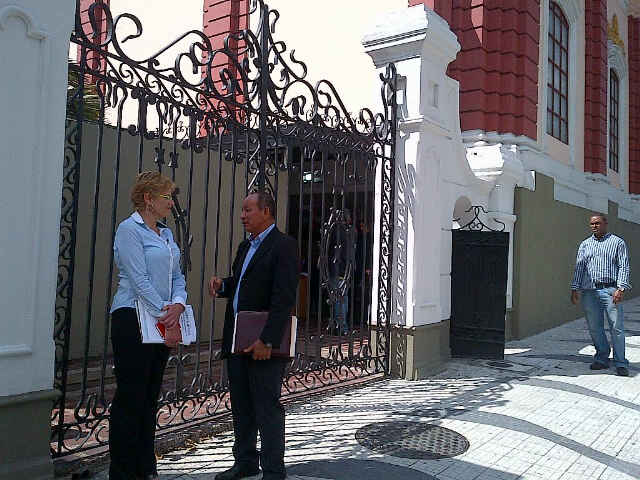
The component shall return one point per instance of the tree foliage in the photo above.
(88, 99)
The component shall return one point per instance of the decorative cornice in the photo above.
(411, 124)
(33, 31)
(597, 178)
(397, 27)
(410, 33)
(617, 59)
(470, 137)
(613, 31)
(572, 9)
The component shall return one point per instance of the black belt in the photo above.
(600, 285)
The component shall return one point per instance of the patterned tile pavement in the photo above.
(541, 416)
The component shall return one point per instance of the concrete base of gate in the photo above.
(25, 432)
(417, 352)
(508, 325)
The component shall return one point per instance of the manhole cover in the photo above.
(412, 440)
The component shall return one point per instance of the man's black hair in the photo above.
(265, 200)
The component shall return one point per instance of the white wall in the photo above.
(32, 135)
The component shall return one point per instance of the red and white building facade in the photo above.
(556, 73)
(540, 88)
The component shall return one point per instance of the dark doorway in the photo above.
(330, 194)
(478, 293)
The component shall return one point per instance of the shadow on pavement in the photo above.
(352, 469)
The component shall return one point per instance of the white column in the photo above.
(421, 45)
(34, 44)
(501, 202)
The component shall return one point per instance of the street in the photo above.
(540, 414)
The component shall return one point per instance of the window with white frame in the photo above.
(558, 74)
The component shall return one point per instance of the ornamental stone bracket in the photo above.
(501, 165)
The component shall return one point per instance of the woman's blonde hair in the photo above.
(149, 182)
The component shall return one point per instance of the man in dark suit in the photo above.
(265, 278)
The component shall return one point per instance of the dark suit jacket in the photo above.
(269, 285)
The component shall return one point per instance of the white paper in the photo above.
(188, 326)
(149, 330)
(294, 336)
(235, 327)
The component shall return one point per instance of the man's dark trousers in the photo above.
(268, 285)
(255, 387)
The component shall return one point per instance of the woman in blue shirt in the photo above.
(148, 262)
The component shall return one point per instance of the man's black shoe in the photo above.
(622, 371)
(598, 366)
(237, 472)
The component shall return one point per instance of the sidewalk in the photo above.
(541, 414)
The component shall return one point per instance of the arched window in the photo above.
(614, 121)
(558, 74)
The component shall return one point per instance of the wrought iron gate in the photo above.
(256, 122)
(478, 288)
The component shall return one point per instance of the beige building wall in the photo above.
(223, 233)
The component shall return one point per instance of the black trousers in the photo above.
(255, 403)
(132, 423)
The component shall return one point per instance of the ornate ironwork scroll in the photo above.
(476, 223)
(387, 217)
(256, 123)
(337, 251)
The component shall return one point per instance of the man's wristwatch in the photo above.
(268, 345)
